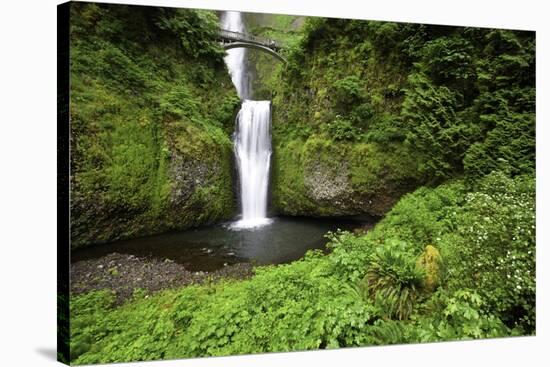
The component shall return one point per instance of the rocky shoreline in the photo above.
(123, 273)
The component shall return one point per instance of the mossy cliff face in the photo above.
(152, 110)
(364, 112)
(334, 98)
(318, 177)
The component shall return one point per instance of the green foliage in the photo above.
(289, 307)
(461, 100)
(386, 332)
(468, 108)
(422, 217)
(142, 80)
(178, 102)
(88, 313)
(394, 279)
(342, 130)
(197, 30)
(493, 248)
(509, 147)
(460, 316)
(379, 170)
(349, 255)
(347, 91)
(434, 128)
(289, 189)
(449, 59)
(369, 290)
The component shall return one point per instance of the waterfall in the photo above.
(253, 153)
(236, 57)
(252, 138)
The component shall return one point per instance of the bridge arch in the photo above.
(255, 46)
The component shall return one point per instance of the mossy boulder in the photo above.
(432, 263)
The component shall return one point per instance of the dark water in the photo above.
(210, 248)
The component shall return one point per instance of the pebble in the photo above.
(149, 274)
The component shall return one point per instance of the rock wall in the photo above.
(336, 104)
(365, 111)
(152, 112)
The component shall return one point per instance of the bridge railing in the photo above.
(224, 34)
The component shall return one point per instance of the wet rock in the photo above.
(130, 272)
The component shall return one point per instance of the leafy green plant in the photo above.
(492, 250)
(393, 279)
(461, 317)
(347, 91)
(342, 129)
(197, 30)
(449, 59)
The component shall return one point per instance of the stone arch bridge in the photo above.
(230, 39)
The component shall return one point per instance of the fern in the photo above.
(394, 280)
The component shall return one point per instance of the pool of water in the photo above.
(209, 248)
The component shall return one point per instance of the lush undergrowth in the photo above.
(403, 105)
(452, 263)
(152, 110)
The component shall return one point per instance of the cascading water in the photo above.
(236, 57)
(252, 139)
(253, 153)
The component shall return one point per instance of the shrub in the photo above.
(197, 30)
(459, 316)
(422, 217)
(393, 279)
(492, 248)
(449, 59)
(341, 129)
(350, 255)
(434, 128)
(347, 91)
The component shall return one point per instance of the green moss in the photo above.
(432, 263)
(289, 190)
(146, 104)
(368, 170)
(407, 104)
(375, 167)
